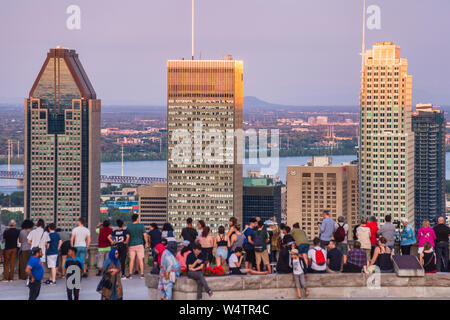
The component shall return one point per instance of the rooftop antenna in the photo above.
(122, 159)
(363, 46)
(192, 29)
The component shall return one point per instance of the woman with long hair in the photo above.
(207, 243)
(220, 243)
(25, 247)
(167, 233)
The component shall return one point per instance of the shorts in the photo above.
(300, 281)
(65, 248)
(264, 256)
(52, 260)
(237, 271)
(222, 252)
(136, 251)
(342, 247)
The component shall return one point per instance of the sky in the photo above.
(295, 52)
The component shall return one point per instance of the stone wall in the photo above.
(275, 286)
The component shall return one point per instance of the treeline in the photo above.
(14, 199)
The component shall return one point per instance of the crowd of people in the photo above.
(257, 248)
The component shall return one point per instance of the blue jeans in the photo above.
(81, 253)
(167, 293)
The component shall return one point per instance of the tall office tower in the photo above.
(153, 204)
(320, 185)
(62, 144)
(205, 99)
(429, 132)
(386, 140)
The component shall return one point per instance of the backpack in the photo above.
(320, 258)
(339, 234)
(258, 241)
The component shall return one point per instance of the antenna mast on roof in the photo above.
(363, 46)
(192, 29)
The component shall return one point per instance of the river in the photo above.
(158, 168)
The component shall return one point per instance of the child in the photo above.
(428, 258)
(299, 269)
(74, 269)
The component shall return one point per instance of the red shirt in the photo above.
(373, 226)
(103, 234)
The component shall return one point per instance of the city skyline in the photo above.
(315, 80)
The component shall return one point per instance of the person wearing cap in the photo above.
(10, 237)
(299, 269)
(35, 272)
(183, 253)
(407, 237)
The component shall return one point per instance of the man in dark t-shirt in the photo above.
(195, 263)
(334, 257)
(155, 236)
(120, 238)
(442, 232)
(74, 266)
(189, 233)
(10, 237)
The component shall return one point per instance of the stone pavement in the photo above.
(134, 289)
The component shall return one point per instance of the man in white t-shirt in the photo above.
(317, 258)
(39, 238)
(81, 239)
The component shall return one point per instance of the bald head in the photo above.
(441, 220)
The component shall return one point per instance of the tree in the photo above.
(6, 216)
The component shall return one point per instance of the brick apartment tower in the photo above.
(209, 92)
(62, 144)
(386, 140)
(320, 185)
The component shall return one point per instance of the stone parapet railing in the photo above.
(281, 286)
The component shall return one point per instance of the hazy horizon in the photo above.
(295, 53)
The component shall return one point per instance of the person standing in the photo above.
(104, 232)
(189, 233)
(25, 247)
(363, 234)
(39, 238)
(35, 272)
(195, 263)
(200, 225)
(442, 232)
(75, 268)
(301, 240)
(250, 259)
(220, 243)
(64, 250)
(387, 231)
(274, 243)
(10, 237)
(236, 239)
(428, 258)
(317, 257)
(207, 243)
(341, 237)
(299, 270)
(120, 238)
(81, 239)
(138, 244)
(326, 228)
(260, 238)
(169, 271)
(425, 234)
(155, 237)
(53, 246)
(111, 270)
(169, 235)
(373, 226)
(408, 238)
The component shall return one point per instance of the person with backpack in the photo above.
(341, 237)
(260, 239)
(317, 258)
(250, 259)
(299, 270)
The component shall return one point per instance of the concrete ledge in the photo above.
(281, 286)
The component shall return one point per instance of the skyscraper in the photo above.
(153, 204)
(205, 99)
(62, 143)
(321, 185)
(429, 133)
(386, 146)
